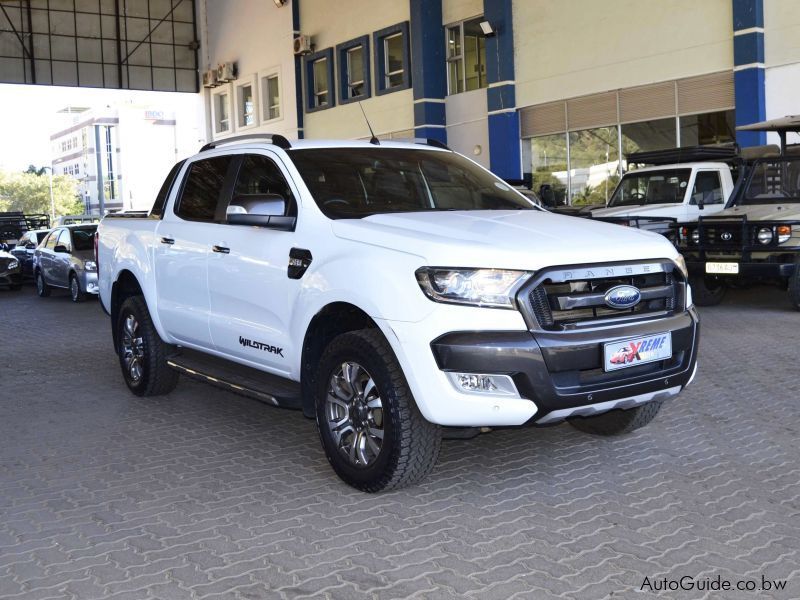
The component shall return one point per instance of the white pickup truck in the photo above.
(396, 292)
(653, 198)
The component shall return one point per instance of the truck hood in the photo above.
(788, 211)
(512, 239)
(638, 210)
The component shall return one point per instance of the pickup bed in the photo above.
(395, 292)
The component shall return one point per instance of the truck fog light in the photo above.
(764, 235)
(480, 383)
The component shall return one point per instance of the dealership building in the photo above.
(558, 90)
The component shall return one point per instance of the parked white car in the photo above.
(394, 292)
(653, 198)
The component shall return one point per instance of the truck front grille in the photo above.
(561, 299)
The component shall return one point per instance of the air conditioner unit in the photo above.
(303, 44)
(210, 78)
(227, 72)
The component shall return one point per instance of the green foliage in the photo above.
(30, 193)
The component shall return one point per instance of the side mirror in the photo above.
(261, 210)
(61, 249)
(30, 246)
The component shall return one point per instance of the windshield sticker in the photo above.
(683, 184)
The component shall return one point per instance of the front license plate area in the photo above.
(722, 268)
(637, 351)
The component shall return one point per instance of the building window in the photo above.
(354, 79)
(270, 97)
(392, 59)
(708, 128)
(550, 179)
(466, 57)
(646, 136)
(319, 78)
(245, 105)
(221, 112)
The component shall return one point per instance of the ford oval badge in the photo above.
(623, 296)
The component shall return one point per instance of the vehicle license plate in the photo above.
(637, 351)
(722, 268)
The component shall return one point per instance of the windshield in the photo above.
(351, 183)
(651, 187)
(774, 181)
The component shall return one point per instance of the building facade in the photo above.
(119, 155)
(558, 92)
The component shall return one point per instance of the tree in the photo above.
(30, 193)
(36, 171)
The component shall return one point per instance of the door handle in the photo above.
(220, 249)
(167, 240)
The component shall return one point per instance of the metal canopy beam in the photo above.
(120, 44)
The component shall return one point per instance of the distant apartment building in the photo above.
(119, 155)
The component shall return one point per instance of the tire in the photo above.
(618, 422)
(75, 293)
(378, 400)
(42, 289)
(142, 353)
(707, 291)
(794, 287)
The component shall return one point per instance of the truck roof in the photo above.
(686, 165)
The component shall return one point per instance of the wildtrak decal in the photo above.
(260, 346)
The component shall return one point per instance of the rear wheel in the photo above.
(707, 291)
(618, 422)
(42, 289)
(75, 292)
(371, 429)
(142, 352)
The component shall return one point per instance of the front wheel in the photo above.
(42, 289)
(75, 292)
(707, 291)
(371, 429)
(618, 422)
(142, 352)
(794, 287)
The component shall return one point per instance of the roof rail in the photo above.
(278, 140)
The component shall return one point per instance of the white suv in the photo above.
(396, 292)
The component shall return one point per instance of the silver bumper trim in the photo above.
(589, 410)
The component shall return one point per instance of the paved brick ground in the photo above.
(203, 494)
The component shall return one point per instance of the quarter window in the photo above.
(202, 189)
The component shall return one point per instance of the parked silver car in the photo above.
(65, 259)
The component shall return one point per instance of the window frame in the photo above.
(309, 61)
(462, 56)
(343, 56)
(238, 86)
(263, 77)
(215, 93)
(379, 55)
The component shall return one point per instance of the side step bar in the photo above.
(236, 378)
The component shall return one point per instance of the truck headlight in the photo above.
(696, 236)
(494, 288)
(784, 233)
(680, 262)
(13, 265)
(764, 235)
(90, 265)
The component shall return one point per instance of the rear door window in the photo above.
(202, 188)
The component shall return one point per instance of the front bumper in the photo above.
(747, 269)
(562, 372)
(11, 278)
(89, 282)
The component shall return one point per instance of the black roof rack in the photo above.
(689, 154)
(278, 140)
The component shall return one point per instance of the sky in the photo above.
(28, 116)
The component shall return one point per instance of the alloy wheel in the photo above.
(354, 414)
(133, 348)
(74, 288)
